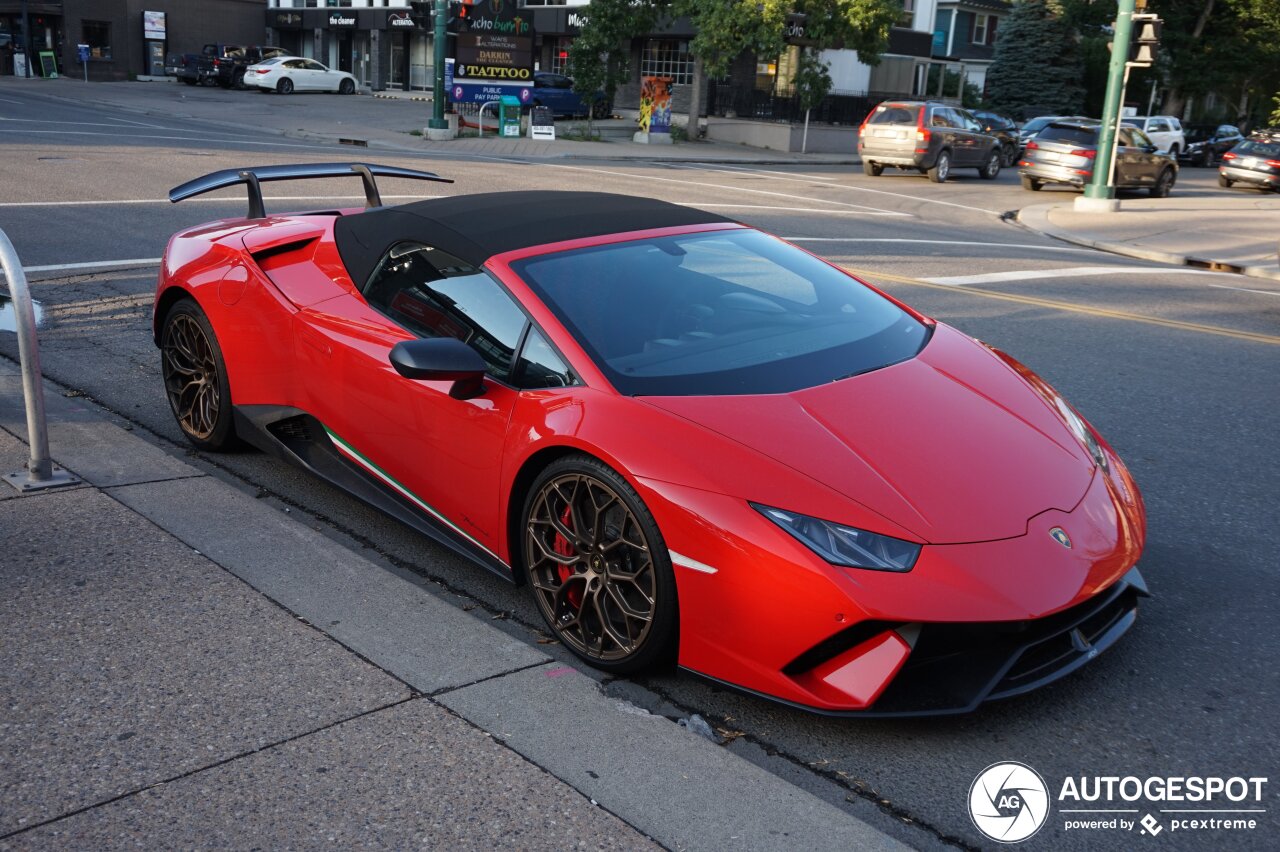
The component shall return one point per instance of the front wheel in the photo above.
(598, 567)
(195, 377)
(991, 168)
(285, 86)
(941, 169)
(347, 87)
(1031, 183)
(1163, 184)
(1225, 181)
(872, 169)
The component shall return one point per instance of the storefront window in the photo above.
(664, 57)
(97, 34)
(560, 54)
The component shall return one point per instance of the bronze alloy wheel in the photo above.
(599, 581)
(195, 379)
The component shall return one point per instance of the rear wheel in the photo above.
(347, 87)
(195, 377)
(190, 81)
(872, 169)
(1173, 151)
(1031, 183)
(1010, 155)
(285, 86)
(598, 567)
(991, 168)
(941, 168)
(238, 82)
(1163, 184)
(1225, 181)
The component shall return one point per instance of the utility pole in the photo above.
(437, 121)
(1100, 196)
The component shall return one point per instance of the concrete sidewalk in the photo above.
(186, 665)
(387, 122)
(1236, 233)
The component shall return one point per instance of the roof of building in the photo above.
(474, 228)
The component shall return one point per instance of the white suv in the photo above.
(1164, 130)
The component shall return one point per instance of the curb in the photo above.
(1036, 218)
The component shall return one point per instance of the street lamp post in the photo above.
(437, 121)
(1100, 194)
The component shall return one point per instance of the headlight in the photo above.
(841, 545)
(1080, 429)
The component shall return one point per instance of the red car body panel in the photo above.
(980, 484)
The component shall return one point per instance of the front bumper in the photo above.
(969, 623)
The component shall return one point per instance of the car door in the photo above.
(977, 140)
(1140, 162)
(946, 124)
(318, 77)
(441, 453)
(1159, 132)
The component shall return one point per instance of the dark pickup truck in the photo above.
(222, 64)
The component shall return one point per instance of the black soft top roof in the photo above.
(474, 228)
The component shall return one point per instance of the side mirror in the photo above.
(441, 359)
(1151, 149)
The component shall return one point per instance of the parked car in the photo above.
(223, 64)
(1164, 130)
(691, 441)
(1065, 151)
(1255, 161)
(1006, 130)
(1206, 143)
(928, 137)
(1032, 126)
(556, 92)
(286, 74)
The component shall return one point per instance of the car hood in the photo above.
(952, 445)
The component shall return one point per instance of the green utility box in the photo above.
(509, 116)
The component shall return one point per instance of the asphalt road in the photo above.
(1173, 366)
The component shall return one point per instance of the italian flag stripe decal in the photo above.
(355, 456)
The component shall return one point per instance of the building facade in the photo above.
(124, 38)
(964, 36)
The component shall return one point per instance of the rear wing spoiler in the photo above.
(252, 178)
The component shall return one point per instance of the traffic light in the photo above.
(420, 9)
(459, 20)
(1145, 39)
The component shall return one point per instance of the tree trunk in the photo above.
(695, 101)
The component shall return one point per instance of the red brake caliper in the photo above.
(562, 546)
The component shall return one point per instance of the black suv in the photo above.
(1207, 143)
(927, 137)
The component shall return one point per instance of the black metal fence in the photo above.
(728, 101)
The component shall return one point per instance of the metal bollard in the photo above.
(41, 472)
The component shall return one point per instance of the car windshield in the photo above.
(1258, 148)
(1132, 122)
(726, 312)
(895, 114)
(1036, 124)
(1070, 134)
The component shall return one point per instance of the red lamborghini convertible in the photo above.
(692, 440)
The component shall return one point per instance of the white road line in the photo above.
(718, 186)
(96, 264)
(85, 123)
(10, 101)
(144, 124)
(762, 172)
(1245, 289)
(824, 211)
(222, 200)
(876, 191)
(200, 138)
(934, 242)
(1069, 272)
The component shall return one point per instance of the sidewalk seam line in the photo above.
(445, 690)
(214, 765)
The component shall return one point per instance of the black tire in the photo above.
(1163, 184)
(1031, 183)
(1173, 151)
(990, 170)
(190, 81)
(285, 86)
(872, 169)
(238, 82)
(195, 378)
(347, 87)
(1223, 180)
(941, 168)
(608, 593)
(1009, 153)
(223, 83)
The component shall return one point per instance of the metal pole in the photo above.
(26, 40)
(40, 469)
(1100, 186)
(437, 122)
(1111, 175)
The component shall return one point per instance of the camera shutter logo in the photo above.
(1008, 802)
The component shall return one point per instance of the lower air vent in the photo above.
(292, 429)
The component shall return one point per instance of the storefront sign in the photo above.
(795, 30)
(491, 72)
(401, 21)
(475, 49)
(499, 16)
(153, 25)
(337, 20)
(480, 93)
(287, 20)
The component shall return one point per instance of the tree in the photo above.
(599, 56)
(1037, 66)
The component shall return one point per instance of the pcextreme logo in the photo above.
(1009, 802)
